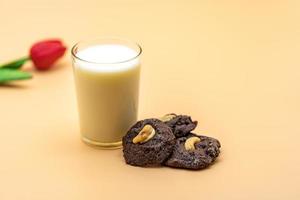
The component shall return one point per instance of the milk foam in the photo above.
(107, 58)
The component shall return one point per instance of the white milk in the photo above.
(107, 92)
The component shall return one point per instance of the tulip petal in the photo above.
(45, 53)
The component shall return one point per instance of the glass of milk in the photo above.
(107, 73)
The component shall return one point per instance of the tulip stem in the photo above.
(16, 64)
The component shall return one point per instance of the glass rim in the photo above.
(76, 45)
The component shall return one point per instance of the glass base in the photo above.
(102, 145)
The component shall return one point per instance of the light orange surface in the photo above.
(232, 65)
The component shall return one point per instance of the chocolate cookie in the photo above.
(148, 143)
(194, 152)
(181, 125)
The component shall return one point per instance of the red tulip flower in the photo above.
(45, 53)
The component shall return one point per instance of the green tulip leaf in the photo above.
(16, 64)
(7, 75)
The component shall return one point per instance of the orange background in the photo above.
(232, 65)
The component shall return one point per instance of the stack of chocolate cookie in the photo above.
(169, 141)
